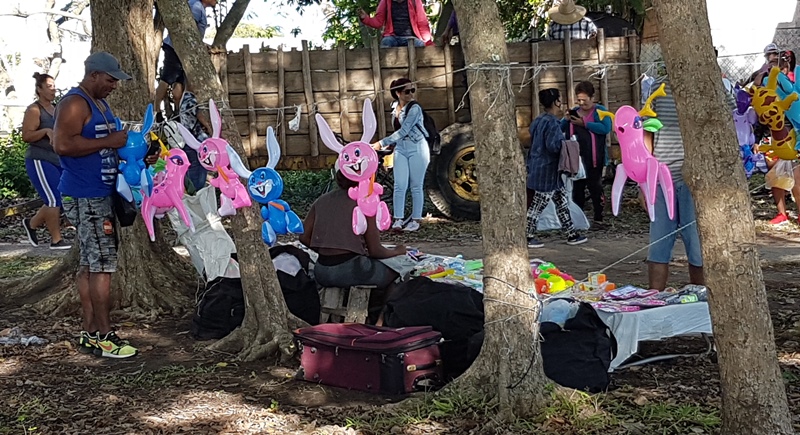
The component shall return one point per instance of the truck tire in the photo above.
(451, 181)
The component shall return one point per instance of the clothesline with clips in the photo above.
(531, 72)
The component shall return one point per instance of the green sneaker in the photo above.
(87, 343)
(111, 346)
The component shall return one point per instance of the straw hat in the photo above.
(567, 13)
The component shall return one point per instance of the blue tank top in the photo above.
(93, 175)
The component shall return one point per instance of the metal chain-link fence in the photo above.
(735, 67)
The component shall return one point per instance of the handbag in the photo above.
(569, 160)
(124, 210)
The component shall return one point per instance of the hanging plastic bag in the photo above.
(781, 175)
(581, 171)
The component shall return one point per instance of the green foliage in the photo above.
(248, 30)
(14, 182)
(302, 188)
(344, 26)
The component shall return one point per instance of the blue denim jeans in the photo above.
(665, 228)
(400, 41)
(410, 163)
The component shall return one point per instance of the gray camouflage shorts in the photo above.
(94, 220)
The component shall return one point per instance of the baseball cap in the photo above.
(102, 61)
(771, 48)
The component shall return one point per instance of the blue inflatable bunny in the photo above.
(265, 186)
(133, 176)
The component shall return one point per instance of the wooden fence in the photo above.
(335, 83)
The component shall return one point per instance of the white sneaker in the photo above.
(412, 226)
(397, 225)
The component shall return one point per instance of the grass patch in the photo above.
(22, 414)
(426, 409)
(167, 375)
(567, 412)
(23, 265)
(302, 188)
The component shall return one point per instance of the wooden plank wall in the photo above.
(437, 91)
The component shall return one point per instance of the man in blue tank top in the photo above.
(86, 140)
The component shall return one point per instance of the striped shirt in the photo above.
(668, 143)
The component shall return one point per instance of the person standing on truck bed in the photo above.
(402, 20)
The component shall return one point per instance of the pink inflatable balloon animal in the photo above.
(638, 163)
(213, 154)
(359, 162)
(168, 193)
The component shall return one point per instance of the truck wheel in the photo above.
(451, 181)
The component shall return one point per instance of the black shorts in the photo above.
(172, 72)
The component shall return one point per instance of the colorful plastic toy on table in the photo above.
(638, 163)
(771, 111)
(266, 186)
(214, 155)
(359, 162)
(135, 178)
(548, 279)
(168, 193)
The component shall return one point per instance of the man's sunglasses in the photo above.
(409, 91)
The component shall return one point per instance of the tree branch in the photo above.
(229, 24)
(21, 14)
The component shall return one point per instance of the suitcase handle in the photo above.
(414, 367)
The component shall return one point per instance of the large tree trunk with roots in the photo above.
(753, 394)
(151, 278)
(265, 329)
(509, 367)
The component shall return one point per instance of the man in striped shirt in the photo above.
(569, 21)
(668, 149)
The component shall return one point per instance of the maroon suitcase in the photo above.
(370, 358)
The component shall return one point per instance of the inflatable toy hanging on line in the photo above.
(771, 111)
(744, 118)
(266, 186)
(637, 161)
(359, 162)
(134, 177)
(168, 193)
(214, 155)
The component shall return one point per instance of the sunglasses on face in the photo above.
(409, 91)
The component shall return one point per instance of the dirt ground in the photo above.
(177, 386)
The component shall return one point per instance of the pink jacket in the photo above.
(416, 12)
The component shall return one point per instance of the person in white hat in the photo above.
(569, 20)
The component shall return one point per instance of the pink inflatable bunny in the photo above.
(168, 193)
(359, 162)
(637, 161)
(213, 155)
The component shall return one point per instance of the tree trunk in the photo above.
(151, 278)
(229, 24)
(753, 394)
(265, 329)
(509, 367)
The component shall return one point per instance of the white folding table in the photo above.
(654, 324)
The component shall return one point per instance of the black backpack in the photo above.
(300, 290)
(220, 310)
(454, 310)
(431, 133)
(579, 355)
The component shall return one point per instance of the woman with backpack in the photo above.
(411, 154)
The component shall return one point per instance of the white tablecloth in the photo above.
(655, 324)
